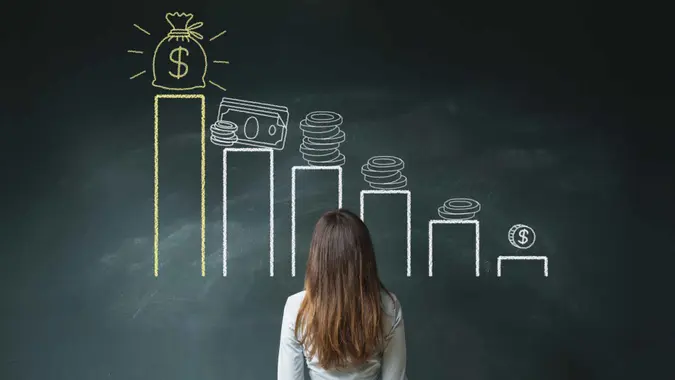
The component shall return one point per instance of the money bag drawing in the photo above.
(180, 61)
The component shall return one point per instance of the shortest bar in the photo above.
(529, 258)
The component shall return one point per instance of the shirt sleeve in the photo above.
(290, 365)
(394, 356)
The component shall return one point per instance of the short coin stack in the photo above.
(224, 133)
(322, 137)
(459, 208)
(384, 173)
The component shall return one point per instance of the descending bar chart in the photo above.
(245, 126)
(294, 170)
(408, 198)
(263, 128)
(271, 199)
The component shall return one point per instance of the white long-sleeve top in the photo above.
(390, 364)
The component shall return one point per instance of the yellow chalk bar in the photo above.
(203, 176)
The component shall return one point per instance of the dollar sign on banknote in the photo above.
(176, 56)
(180, 62)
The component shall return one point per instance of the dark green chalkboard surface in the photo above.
(523, 115)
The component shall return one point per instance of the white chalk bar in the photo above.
(434, 222)
(408, 198)
(294, 171)
(270, 152)
(525, 258)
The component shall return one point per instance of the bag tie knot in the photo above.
(181, 25)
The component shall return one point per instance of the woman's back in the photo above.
(345, 324)
(389, 364)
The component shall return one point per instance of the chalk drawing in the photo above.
(384, 173)
(248, 123)
(408, 216)
(432, 223)
(271, 200)
(322, 137)
(179, 61)
(521, 236)
(459, 208)
(224, 133)
(527, 258)
(294, 170)
(202, 99)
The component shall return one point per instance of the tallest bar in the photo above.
(202, 101)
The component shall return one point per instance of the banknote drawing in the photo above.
(252, 124)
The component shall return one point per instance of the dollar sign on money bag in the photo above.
(179, 62)
(523, 237)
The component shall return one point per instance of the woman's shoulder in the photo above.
(295, 299)
(292, 306)
(390, 304)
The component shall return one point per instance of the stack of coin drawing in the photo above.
(322, 137)
(224, 133)
(459, 208)
(384, 173)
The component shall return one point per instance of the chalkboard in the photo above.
(480, 150)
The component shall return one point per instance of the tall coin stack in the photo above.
(322, 137)
(384, 173)
(224, 133)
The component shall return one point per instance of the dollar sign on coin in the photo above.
(176, 56)
(523, 237)
(526, 236)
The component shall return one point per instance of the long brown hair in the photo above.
(339, 319)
